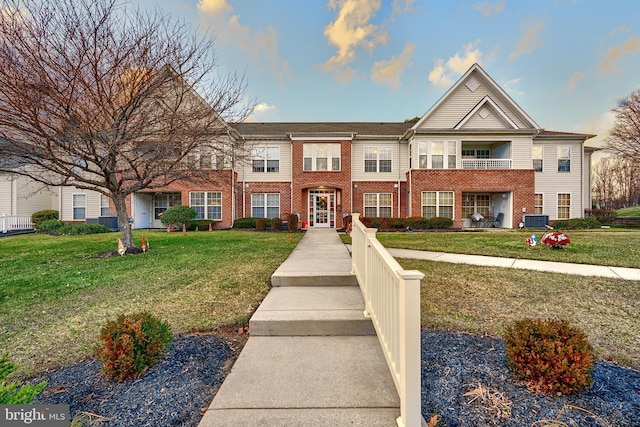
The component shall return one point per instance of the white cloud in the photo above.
(574, 80)
(259, 110)
(260, 45)
(402, 6)
(489, 9)
(443, 73)
(529, 39)
(615, 53)
(389, 71)
(352, 29)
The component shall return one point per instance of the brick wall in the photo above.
(360, 188)
(283, 188)
(305, 180)
(520, 183)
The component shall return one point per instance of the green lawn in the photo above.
(630, 211)
(613, 247)
(55, 293)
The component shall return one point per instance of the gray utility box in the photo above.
(536, 221)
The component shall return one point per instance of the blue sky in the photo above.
(565, 62)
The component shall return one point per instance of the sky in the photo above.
(565, 62)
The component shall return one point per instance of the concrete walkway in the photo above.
(527, 264)
(312, 358)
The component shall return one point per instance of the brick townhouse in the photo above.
(475, 151)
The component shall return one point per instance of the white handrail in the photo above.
(14, 223)
(392, 300)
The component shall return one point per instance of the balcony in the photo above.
(485, 163)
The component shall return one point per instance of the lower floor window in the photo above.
(475, 203)
(537, 202)
(79, 206)
(265, 205)
(564, 206)
(437, 203)
(377, 205)
(162, 202)
(207, 204)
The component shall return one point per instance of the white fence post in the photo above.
(5, 226)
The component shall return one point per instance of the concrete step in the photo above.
(311, 311)
(307, 381)
(281, 279)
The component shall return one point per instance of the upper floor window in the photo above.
(564, 158)
(321, 157)
(437, 203)
(536, 155)
(377, 159)
(79, 206)
(377, 205)
(207, 204)
(104, 205)
(437, 155)
(265, 159)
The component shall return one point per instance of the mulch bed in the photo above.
(465, 382)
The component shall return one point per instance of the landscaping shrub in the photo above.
(244, 223)
(132, 344)
(50, 226)
(12, 393)
(201, 224)
(292, 222)
(276, 224)
(38, 217)
(419, 223)
(366, 221)
(605, 216)
(177, 216)
(385, 224)
(440, 222)
(576, 223)
(398, 223)
(550, 355)
(261, 224)
(77, 228)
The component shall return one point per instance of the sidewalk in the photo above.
(527, 264)
(312, 358)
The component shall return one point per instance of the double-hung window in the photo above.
(321, 157)
(564, 158)
(538, 203)
(265, 159)
(265, 205)
(537, 155)
(564, 205)
(377, 159)
(437, 203)
(104, 205)
(377, 205)
(79, 206)
(437, 155)
(207, 204)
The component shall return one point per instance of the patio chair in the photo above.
(477, 220)
(497, 223)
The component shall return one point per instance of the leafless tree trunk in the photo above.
(97, 95)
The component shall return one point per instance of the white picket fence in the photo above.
(14, 223)
(392, 300)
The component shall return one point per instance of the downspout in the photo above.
(399, 179)
(60, 202)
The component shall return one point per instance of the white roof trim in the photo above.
(486, 101)
(491, 82)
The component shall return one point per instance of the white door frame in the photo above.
(320, 217)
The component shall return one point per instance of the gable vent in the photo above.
(483, 113)
(473, 84)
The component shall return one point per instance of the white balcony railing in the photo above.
(392, 300)
(14, 223)
(486, 163)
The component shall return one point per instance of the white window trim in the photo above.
(378, 152)
(265, 206)
(104, 206)
(377, 205)
(534, 203)
(314, 156)
(558, 158)
(453, 206)
(558, 205)
(541, 158)
(264, 157)
(206, 204)
(73, 206)
(428, 149)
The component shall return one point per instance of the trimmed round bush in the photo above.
(132, 344)
(177, 216)
(550, 355)
(37, 218)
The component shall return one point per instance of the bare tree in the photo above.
(604, 185)
(98, 95)
(624, 137)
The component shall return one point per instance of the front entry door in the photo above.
(322, 208)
